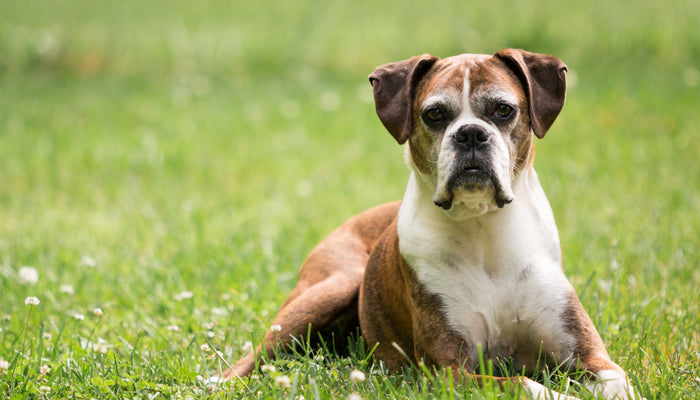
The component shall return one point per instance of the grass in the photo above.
(153, 150)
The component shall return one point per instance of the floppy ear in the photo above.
(394, 89)
(544, 80)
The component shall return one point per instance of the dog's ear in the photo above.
(394, 89)
(544, 80)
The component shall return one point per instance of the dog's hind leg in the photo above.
(325, 298)
(315, 310)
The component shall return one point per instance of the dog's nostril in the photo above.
(460, 136)
(482, 137)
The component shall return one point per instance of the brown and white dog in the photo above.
(470, 260)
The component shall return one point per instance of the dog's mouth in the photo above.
(473, 177)
(473, 169)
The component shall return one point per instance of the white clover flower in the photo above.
(205, 348)
(209, 325)
(47, 335)
(357, 376)
(282, 381)
(28, 275)
(247, 346)
(210, 334)
(276, 328)
(67, 289)
(173, 328)
(31, 301)
(354, 396)
(4, 366)
(218, 311)
(100, 348)
(88, 261)
(185, 294)
(97, 311)
(44, 389)
(45, 369)
(268, 368)
(79, 317)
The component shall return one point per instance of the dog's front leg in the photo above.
(608, 380)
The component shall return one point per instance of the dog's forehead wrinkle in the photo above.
(494, 93)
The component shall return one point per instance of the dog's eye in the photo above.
(433, 114)
(503, 111)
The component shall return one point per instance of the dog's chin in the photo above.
(471, 194)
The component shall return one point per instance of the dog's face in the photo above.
(469, 121)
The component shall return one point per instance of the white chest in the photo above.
(499, 276)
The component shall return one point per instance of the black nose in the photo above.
(471, 136)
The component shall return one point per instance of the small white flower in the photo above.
(88, 261)
(357, 376)
(45, 369)
(185, 294)
(31, 301)
(247, 346)
(47, 335)
(67, 289)
(276, 328)
(282, 381)
(209, 325)
(100, 348)
(79, 317)
(205, 348)
(28, 275)
(45, 389)
(173, 328)
(218, 311)
(210, 334)
(354, 396)
(268, 368)
(4, 366)
(97, 311)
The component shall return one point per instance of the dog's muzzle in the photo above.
(473, 170)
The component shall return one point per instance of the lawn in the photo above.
(165, 167)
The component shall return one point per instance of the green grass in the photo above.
(208, 146)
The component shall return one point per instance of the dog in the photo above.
(469, 262)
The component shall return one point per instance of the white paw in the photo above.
(540, 392)
(612, 385)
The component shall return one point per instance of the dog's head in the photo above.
(469, 120)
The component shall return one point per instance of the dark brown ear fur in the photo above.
(544, 81)
(394, 89)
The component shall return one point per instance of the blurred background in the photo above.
(207, 146)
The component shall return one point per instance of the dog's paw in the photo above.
(611, 385)
(537, 391)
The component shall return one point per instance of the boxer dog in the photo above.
(469, 262)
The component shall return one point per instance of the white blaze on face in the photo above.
(470, 202)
